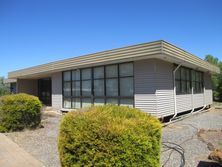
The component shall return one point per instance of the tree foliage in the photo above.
(216, 78)
(3, 87)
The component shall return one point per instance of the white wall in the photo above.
(144, 85)
(154, 94)
(57, 90)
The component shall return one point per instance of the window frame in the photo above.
(186, 80)
(199, 82)
(92, 96)
(192, 83)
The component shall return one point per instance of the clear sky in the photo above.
(34, 32)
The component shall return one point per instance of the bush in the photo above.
(109, 136)
(19, 111)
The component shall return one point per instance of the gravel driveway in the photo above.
(188, 142)
(41, 143)
(185, 142)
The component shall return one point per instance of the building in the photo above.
(156, 77)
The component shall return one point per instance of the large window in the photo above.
(186, 79)
(111, 84)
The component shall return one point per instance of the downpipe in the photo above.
(185, 116)
(174, 91)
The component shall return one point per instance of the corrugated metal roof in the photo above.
(143, 51)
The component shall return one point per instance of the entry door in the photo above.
(45, 91)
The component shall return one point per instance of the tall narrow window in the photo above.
(86, 82)
(197, 81)
(76, 83)
(67, 89)
(112, 88)
(126, 84)
(183, 80)
(98, 81)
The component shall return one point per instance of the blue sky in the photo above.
(34, 32)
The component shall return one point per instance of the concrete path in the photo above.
(11, 155)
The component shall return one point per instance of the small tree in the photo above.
(216, 78)
(3, 87)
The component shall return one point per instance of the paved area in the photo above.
(11, 155)
(188, 142)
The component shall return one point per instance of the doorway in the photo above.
(45, 91)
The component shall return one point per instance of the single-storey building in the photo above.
(156, 77)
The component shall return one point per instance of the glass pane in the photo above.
(98, 72)
(183, 87)
(178, 74)
(76, 88)
(67, 76)
(76, 103)
(111, 71)
(126, 86)
(178, 89)
(187, 74)
(198, 87)
(183, 73)
(67, 88)
(99, 102)
(112, 87)
(188, 87)
(126, 69)
(112, 101)
(86, 102)
(67, 103)
(126, 102)
(197, 76)
(86, 73)
(193, 75)
(194, 86)
(201, 77)
(76, 75)
(86, 88)
(99, 87)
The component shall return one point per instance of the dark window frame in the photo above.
(181, 80)
(92, 96)
(192, 83)
(198, 85)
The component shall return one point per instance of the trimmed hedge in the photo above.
(19, 111)
(109, 136)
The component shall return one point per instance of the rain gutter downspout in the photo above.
(192, 101)
(174, 91)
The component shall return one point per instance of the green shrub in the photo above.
(109, 136)
(19, 111)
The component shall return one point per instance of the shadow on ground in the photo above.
(208, 164)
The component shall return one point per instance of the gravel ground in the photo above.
(41, 143)
(183, 144)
